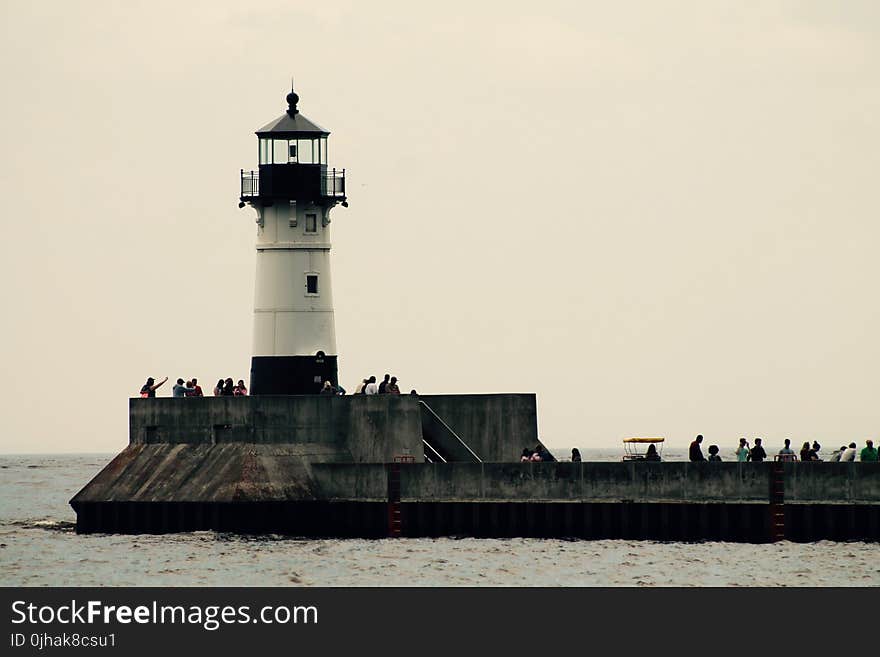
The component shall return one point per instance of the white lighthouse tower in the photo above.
(294, 348)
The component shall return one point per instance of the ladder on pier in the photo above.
(394, 520)
(777, 501)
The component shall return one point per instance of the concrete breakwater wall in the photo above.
(354, 428)
(257, 473)
(593, 482)
(677, 482)
(273, 488)
(332, 466)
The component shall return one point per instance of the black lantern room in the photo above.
(293, 163)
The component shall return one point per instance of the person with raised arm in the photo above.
(149, 388)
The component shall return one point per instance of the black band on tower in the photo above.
(291, 375)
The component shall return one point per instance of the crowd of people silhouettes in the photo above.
(744, 453)
(191, 388)
(540, 453)
(226, 388)
(809, 452)
(388, 386)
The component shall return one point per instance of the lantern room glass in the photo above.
(293, 151)
(305, 149)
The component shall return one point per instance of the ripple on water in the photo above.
(46, 524)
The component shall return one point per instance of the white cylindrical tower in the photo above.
(293, 192)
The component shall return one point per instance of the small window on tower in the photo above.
(292, 152)
(312, 284)
(311, 223)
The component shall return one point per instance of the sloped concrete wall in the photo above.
(205, 473)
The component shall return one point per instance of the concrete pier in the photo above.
(324, 466)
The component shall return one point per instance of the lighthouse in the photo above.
(293, 191)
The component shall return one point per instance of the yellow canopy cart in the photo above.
(636, 449)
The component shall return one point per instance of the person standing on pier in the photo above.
(757, 453)
(371, 388)
(695, 453)
(849, 454)
(180, 390)
(835, 455)
(149, 388)
(543, 453)
(808, 454)
(742, 452)
(787, 453)
(383, 387)
(650, 455)
(868, 453)
(197, 389)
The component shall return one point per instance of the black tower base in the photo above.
(291, 375)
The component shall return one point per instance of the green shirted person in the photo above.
(742, 452)
(869, 453)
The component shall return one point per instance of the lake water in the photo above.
(38, 547)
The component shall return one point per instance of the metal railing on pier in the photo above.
(451, 432)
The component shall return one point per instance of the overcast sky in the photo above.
(661, 217)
